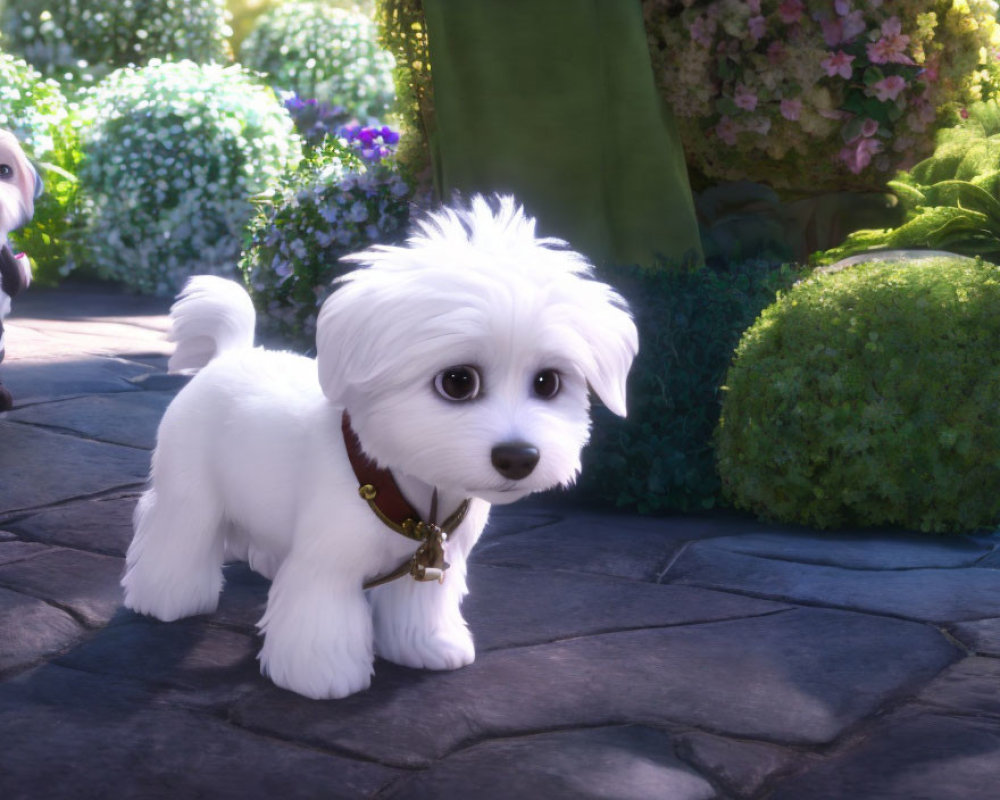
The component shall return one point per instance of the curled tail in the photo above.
(211, 315)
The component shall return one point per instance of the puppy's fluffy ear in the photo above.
(351, 330)
(613, 341)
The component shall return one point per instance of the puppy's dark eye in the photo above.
(546, 384)
(6, 171)
(458, 383)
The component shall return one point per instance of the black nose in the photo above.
(515, 460)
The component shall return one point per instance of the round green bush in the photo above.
(35, 111)
(78, 37)
(870, 396)
(324, 53)
(172, 155)
(339, 203)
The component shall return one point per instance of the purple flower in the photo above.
(745, 97)
(791, 109)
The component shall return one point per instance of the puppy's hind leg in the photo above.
(173, 568)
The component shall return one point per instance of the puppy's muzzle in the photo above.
(515, 460)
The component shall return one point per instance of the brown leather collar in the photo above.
(379, 489)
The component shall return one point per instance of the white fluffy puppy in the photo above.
(460, 362)
(19, 186)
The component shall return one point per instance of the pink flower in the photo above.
(726, 130)
(854, 25)
(745, 98)
(833, 31)
(964, 113)
(754, 6)
(842, 7)
(790, 11)
(776, 53)
(757, 27)
(891, 47)
(838, 63)
(858, 154)
(869, 128)
(702, 30)
(791, 109)
(888, 88)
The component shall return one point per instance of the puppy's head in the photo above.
(19, 185)
(465, 357)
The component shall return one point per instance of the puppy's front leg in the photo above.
(420, 625)
(317, 629)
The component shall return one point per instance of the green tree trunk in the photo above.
(554, 101)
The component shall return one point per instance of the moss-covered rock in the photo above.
(871, 396)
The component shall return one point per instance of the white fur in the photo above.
(18, 190)
(250, 460)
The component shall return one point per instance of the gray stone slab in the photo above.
(982, 636)
(11, 551)
(70, 735)
(31, 630)
(102, 526)
(205, 665)
(909, 757)
(160, 381)
(511, 607)
(740, 767)
(937, 595)
(624, 763)
(854, 550)
(972, 686)
(243, 598)
(621, 545)
(800, 676)
(37, 381)
(38, 467)
(81, 300)
(127, 418)
(85, 584)
(505, 520)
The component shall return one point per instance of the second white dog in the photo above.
(461, 363)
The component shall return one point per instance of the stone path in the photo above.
(619, 656)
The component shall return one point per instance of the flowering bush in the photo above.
(323, 52)
(96, 36)
(344, 199)
(950, 201)
(173, 153)
(314, 120)
(35, 111)
(818, 93)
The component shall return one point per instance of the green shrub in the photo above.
(93, 37)
(660, 458)
(35, 111)
(951, 200)
(871, 397)
(324, 53)
(403, 32)
(338, 203)
(173, 153)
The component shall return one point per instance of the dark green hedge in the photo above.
(661, 457)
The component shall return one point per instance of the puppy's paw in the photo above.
(330, 680)
(167, 605)
(440, 650)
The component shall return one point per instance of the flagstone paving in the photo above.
(678, 657)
